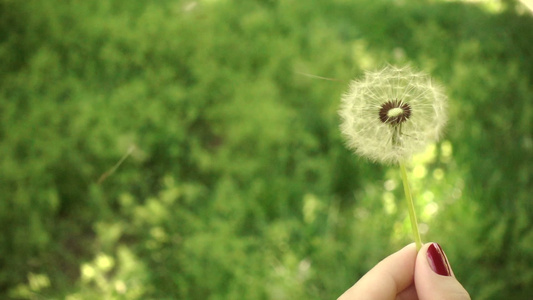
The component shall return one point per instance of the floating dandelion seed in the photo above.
(391, 114)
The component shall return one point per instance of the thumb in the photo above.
(434, 278)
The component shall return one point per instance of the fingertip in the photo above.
(435, 259)
(388, 278)
(434, 276)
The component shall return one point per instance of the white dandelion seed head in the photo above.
(390, 114)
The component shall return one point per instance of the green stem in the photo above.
(410, 206)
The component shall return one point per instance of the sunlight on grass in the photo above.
(492, 6)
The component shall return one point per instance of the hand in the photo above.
(406, 275)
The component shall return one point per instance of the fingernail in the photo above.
(437, 260)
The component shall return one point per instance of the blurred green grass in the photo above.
(239, 185)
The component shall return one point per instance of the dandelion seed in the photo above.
(391, 114)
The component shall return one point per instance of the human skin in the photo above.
(408, 275)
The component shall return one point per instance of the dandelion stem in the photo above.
(410, 206)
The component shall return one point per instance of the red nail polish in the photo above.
(437, 260)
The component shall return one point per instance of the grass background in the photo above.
(238, 185)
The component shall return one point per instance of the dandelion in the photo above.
(389, 115)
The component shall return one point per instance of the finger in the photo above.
(434, 276)
(388, 278)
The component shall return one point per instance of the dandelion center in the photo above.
(394, 112)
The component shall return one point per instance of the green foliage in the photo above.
(238, 184)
